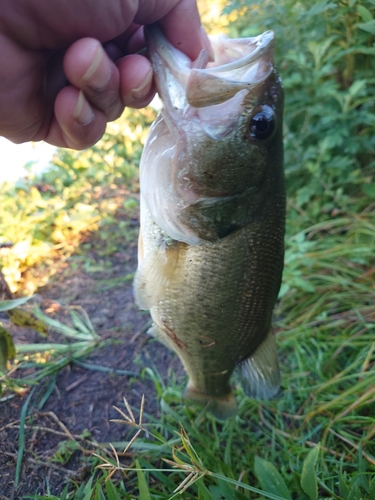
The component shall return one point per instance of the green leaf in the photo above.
(6, 305)
(343, 487)
(111, 491)
(7, 348)
(356, 87)
(27, 319)
(372, 488)
(64, 493)
(21, 438)
(362, 480)
(308, 477)
(222, 490)
(270, 479)
(367, 50)
(144, 493)
(79, 324)
(303, 284)
(355, 493)
(88, 490)
(364, 13)
(99, 495)
(319, 8)
(204, 492)
(369, 26)
(369, 189)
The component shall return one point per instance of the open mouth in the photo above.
(238, 64)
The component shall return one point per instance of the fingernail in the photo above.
(144, 88)
(83, 113)
(98, 74)
(207, 44)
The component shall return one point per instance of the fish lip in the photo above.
(161, 51)
(263, 45)
(171, 66)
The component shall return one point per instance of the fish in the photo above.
(212, 222)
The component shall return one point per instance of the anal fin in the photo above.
(259, 373)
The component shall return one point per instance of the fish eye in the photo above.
(262, 124)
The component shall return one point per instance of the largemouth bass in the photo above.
(211, 243)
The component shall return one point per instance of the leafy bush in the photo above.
(325, 54)
(44, 218)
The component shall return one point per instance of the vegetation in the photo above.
(46, 217)
(325, 54)
(317, 439)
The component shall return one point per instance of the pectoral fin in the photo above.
(259, 373)
(154, 274)
(141, 252)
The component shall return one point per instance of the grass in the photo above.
(316, 440)
(49, 358)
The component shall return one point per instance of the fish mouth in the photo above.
(204, 101)
(238, 64)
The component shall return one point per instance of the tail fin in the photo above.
(259, 373)
(221, 407)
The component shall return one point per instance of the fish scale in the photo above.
(213, 219)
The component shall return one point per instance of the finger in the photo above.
(90, 69)
(136, 80)
(183, 29)
(76, 124)
(180, 22)
(136, 42)
(21, 98)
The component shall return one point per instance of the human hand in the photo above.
(58, 78)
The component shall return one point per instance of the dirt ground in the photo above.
(81, 402)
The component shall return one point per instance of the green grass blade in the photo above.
(79, 324)
(111, 491)
(99, 368)
(27, 348)
(309, 482)
(88, 489)
(63, 329)
(144, 493)
(21, 438)
(264, 493)
(48, 392)
(64, 493)
(270, 479)
(344, 489)
(203, 491)
(7, 305)
(7, 348)
(99, 495)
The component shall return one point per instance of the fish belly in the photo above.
(216, 308)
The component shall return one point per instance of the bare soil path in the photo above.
(81, 402)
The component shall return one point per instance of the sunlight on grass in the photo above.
(44, 218)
